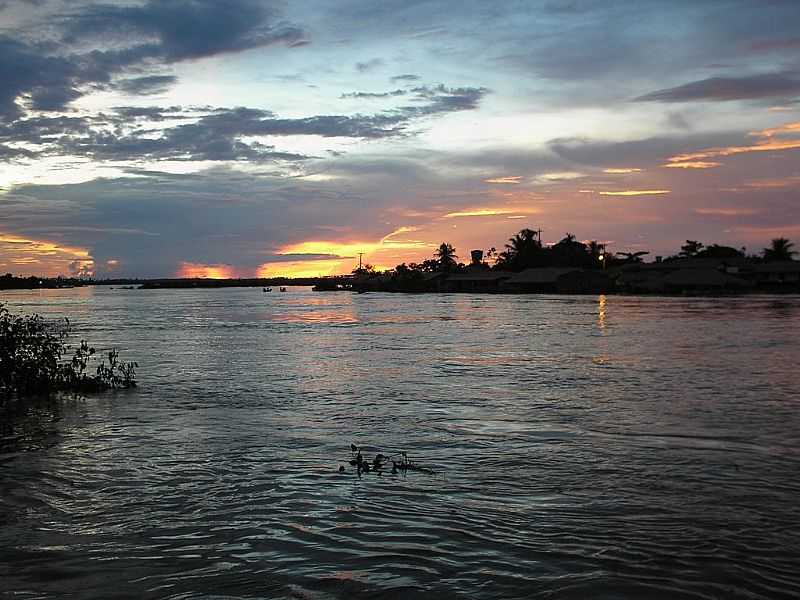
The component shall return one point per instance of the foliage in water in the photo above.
(35, 360)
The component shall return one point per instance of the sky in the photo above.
(250, 138)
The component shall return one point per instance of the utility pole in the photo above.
(360, 254)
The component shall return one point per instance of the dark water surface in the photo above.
(584, 447)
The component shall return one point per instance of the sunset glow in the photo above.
(196, 271)
(137, 146)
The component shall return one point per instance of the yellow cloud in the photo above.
(696, 164)
(479, 212)
(635, 193)
(622, 170)
(513, 179)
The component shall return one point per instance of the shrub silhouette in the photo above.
(32, 360)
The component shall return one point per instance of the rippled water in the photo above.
(584, 447)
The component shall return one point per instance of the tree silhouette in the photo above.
(446, 257)
(633, 257)
(781, 249)
(521, 251)
(690, 249)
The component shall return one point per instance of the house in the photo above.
(475, 281)
(702, 280)
(541, 280)
(778, 275)
(585, 282)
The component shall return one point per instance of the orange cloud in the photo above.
(617, 171)
(766, 184)
(766, 143)
(505, 180)
(726, 212)
(29, 256)
(190, 270)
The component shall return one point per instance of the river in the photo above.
(578, 446)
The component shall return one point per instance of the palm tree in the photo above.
(690, 249)
(781, 249)
(446, 256)
(521, 249)
(633, 257)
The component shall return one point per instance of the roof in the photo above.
(432, 275)
(540, 275)
(784, 266)
(702, 278)
(479, 276)
(690, 263)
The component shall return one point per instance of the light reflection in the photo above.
(601, 311)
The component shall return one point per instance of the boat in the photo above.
(283, 289)
(265, 290)
(328, 285)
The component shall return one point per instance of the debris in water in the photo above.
(400, 463)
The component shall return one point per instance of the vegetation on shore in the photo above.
(36, 360)
(571, 266)
(525, 250)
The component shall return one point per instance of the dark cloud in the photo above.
(145, 86)
(48, 76)
(637, 153)
(219, 134)
(371, 95)
(185, 29)
(368, 65)
(767, 85)
(772, 45)
(405, 78)
(242, 219)
(441, 99)
(26, 70)
(7, 153)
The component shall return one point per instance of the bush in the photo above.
(32, 362)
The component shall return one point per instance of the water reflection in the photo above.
(580, 455)
(601, 311)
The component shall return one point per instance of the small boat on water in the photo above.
(283, 289)
(265, 290)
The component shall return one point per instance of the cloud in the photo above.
(48, 76)
(511, 179)
(145, 86)
(726, 212)
(369, 65)
(184, 29)
(692, 164)
(405, 78)
(621, 170)
(480, 212)
(635, 193)
(637, 153)
(216, 134)
(47, 82)
(769, 140)
(722, 89)
(370, 95)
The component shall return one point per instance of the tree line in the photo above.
(525, 250)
